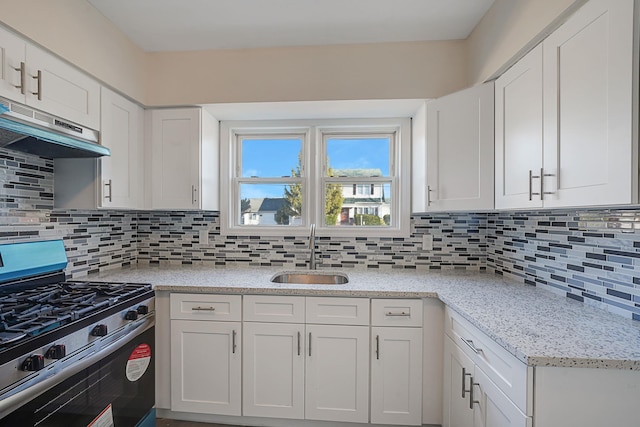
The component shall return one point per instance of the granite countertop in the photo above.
(537, 326)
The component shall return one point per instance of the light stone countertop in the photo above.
(537, 326)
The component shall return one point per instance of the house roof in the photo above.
(357, 172)
(266, 204)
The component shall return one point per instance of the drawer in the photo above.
(396, 312)
(338, 311)
(206, 307)
(503, 368)
(273, 309)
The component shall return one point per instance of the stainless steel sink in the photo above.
(311, 277)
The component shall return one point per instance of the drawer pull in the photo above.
(464, 382)
(203, 308)
(401, 314)
(470, 344)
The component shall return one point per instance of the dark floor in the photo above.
(160, 422)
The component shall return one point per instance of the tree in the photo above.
(245, 205)
(333, 202)
(368, 219)
(292, 205)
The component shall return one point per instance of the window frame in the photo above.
(313, 174)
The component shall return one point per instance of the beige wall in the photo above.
(367, 71)
(84, 37)
(508, 30)
(77, 32)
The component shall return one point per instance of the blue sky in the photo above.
(276, 158)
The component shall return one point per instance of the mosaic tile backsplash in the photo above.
(590, 255)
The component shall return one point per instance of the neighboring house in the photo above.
(367, 199)
(262, 211)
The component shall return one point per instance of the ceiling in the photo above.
(177, 25)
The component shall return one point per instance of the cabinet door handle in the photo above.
(22, 86)
(299, 342)
(531, 177)
(465, 374)
(194, 195)
(471, 399)
(309, 344)
(109, 197)
(38, 77)
(429, 190)
(542, 175)
(472, 346)
(203, 308)
(233, 341)
(377, 347)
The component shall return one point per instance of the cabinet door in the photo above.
(458, 370)
(588, 106)
(175, 158)
(61, 90)
(337, 376)
(12, 50)
(122, 172)
(396, 376)
(518, 133)
(493, 408)
(273, 376)
(205, 367)
(460, 155)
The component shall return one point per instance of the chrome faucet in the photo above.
(312, 247)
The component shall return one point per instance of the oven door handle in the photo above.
(19, 398)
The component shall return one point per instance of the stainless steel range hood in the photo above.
(25, 129)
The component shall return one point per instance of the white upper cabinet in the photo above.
(518, 133)
(12, 62)
(123, 171)
(459, 150)
(183, 150)
(60, 89)
(31, 76)
(589, 156)
(566, 123)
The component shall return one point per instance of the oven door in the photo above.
(117, 390)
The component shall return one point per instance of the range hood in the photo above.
(25, 129)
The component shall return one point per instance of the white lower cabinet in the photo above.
(266, 357)
(396, 376)
(484, 385)
(337, 386)
(273, 377)
(206, 357)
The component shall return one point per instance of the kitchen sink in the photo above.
(311, 277)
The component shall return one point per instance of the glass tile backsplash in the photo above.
(590, 255)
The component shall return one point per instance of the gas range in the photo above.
(50, 327)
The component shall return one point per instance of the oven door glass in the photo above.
(118, 391)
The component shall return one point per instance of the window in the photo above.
(349, 177)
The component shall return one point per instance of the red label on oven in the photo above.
(138, 362)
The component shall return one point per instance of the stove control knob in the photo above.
(99, 331)
(131, 315)
(143, 309)
(57, 351)
(35, 362)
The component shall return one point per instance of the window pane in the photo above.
(358, 157)
(271, 157)
(270, 204)
(372, 208)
